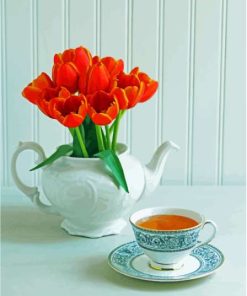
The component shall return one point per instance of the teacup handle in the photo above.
(211, 237)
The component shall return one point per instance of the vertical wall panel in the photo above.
(207, 49)
(66, 45)
(195, 48)
(175, 85)
(50, 41)
(234, 148)
(145, 33)
(34, 67)
(113, 29)
(222, 80)
(3, 118)
(82, 24)
(18, 74)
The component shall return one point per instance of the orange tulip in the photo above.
(98, 79)
(102, 80)
(70, 66)
(33, 92)
(113, 66)
(41, 91)
(101, 76)
(102, 107)
(150, 85)
(46, 96)
(69, 111)
(129, 91)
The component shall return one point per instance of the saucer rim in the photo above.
(166, 280)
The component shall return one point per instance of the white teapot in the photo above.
(83, 192)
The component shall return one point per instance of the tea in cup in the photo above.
(168, 235)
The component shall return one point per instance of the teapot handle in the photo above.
(31, 192)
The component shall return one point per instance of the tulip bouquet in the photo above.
(89, 95)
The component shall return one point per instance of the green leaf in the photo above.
(112, 162)
(90, 137)
(61, 151)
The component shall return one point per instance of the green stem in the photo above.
(99, 138)
(115, 132)
(82, 145)
(71, 130)
(112, 127)
(104, 138)
(121, 114)
(108, 141)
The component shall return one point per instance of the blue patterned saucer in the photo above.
(130, 260)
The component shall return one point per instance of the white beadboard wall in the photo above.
(194, 48)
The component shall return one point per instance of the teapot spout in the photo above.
(154, 169)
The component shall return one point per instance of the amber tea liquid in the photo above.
(166, 222)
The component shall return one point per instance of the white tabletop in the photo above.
(39, 258)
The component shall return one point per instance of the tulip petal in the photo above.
(144, 77)
(125, 80)
(141, 91)
(82, 84)
(42, 81)
(98, 78)
(54, 107)
(82, 60)
(118, 68)
(114, 67)
(72, 104)
(102, 107)
(64, 93)
(67, 76)
(109, 63)
(47, 94)
(112, 111)
(96, 60)
(121, 97)
(134, 71)
(41, 88)
(72, 120)
(83, 108)
(68, 55)
(132, 95)
(149, 91)
(101, 118)
(32, 93)
(57, 58)
(54, 71)
(44, 107)
(69, 111)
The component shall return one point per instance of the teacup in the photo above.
(167, 249)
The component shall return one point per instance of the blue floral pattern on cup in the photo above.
(166, 241)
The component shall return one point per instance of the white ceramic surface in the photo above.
(129, 259)
(83, 192)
